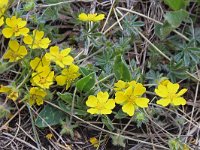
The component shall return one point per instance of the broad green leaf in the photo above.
(86, 83)
(121, 69)
(162, 31)
(107, 122)
(67, 109)
(177, 4)
(67, 97)
(49, 116)
(175, 18)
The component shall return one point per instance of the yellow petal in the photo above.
(172, 88)
(65, 52)
(119, 97)
(98, 17)
(24, 31)
(38, 35)
(21, 24)
(120, 85)
(163, 102)
(11, 22)
(92, 101)
(178, 101)
(129, 109)
(142, 102)
(102, 96)
(139, 89)
(129, 91)
(110, 104)
(44, 43)
(161, 91)
(14, 45)
(28, 40)
(54, 50)
(1, 21)
(105, 111)
(39, 101)
(93, 111)
(7, 32)
(181, 92)
(68, 60)
(22, 50)
(83, 17)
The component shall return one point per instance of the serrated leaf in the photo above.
(106, 121)
(121, 69)
(49, 116)
(175, 18)
(86, 83)
(177, 4)
(162, 31)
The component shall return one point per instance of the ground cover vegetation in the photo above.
(100, 74)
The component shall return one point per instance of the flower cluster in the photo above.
(129, 95)
(42, 75)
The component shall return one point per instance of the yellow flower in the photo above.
(16, 27)
(131, 98)
(13, 95)
(91, 17)
(68, 76)
(1, 21)
(10, 91)
(100, 104)
(121, 85)
(3, 6)
(15, 51)
(164, 82)
(39, 63)
(61, 58)
(36, 96)
(5, 89)
(43, 77)
(169, 95)
(94, 141)
(49, 136)
(36, 40)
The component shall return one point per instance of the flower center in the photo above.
(42, 80)
(100, 106)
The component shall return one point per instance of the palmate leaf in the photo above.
(190, 55)
(177, 70)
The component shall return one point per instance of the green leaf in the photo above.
(118, 140)
(107, 122)
(177, 4)
(49, 116)
(162, 31)
(175, 18)
(67, 109)
(121, 69)
(86, 83)
(66, 97)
